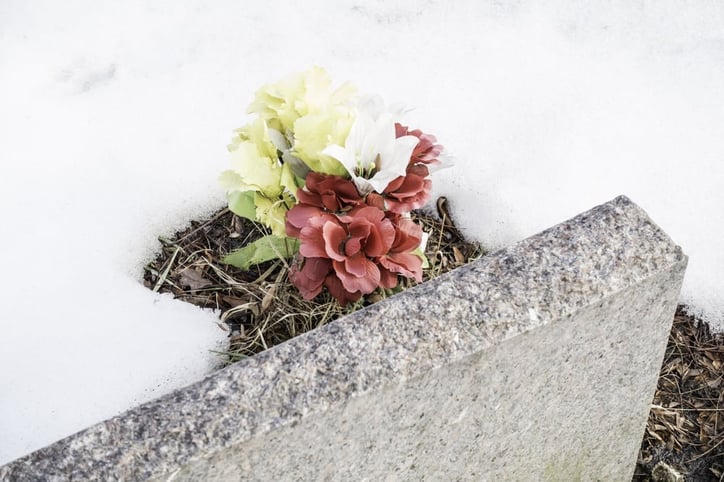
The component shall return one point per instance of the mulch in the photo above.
(685, 431)
(684, 437)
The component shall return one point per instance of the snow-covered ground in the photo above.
(114, 117)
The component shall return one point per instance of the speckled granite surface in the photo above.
(492, 372)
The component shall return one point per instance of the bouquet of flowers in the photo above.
(333, 176)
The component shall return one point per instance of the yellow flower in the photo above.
(297, 119)
(254, 162)
(315, 132)
(305, 110)
(258, 185)
(256, 132)
(272, 213)
(297, 95)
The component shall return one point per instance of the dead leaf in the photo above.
(193, 278)
(268, 298)
(234, 301)
(459, 256)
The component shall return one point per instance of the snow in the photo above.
(115, 117)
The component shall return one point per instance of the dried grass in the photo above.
(259, 307)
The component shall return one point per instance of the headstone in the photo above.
(537, 362)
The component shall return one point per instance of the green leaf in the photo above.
(241, 203)
(263, 249)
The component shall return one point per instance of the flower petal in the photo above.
(299, 216)
(310, 278)
(311, 235)
(388, 279)
(406, 264)
(395, 163)
(342, 155)
(366, 283)
(408, 236)
(337, 290)
(334, 240)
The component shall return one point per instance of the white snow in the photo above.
(114, 117)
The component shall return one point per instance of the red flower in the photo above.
(333, 193)
(315, 236)
(368, 235)
(308, 275)
(410, 191)
(322, 193)
(400, 260)
(299, 216)
(352, 245)
(349, 242)
(336, 289)
(426, 151)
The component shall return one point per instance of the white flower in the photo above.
(372, 154)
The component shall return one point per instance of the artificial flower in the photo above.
(272, 213)
(313, 133)
(351, 242)
(340, 175)
(426, 151)
(405, 193)
(400, 259)
(412, 190)
(255, 168)
(309, 274)
(372, 154)
(368, 234)
(254, 163)
(333, 193)
(309, 115)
